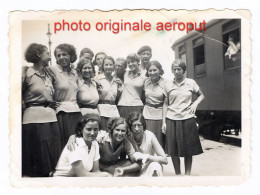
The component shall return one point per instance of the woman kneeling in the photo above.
(84, 160)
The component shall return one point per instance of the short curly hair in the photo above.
(179, 63)
(114, 122)
(107, 58)
(135, 116)
(31, 53)
(70, 49)
(155, 63)
(81, 63)
(84, 120)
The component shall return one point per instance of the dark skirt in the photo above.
(182, 138)
(41, 148)
(124, 111)
(104, 121)
(155, 126)
(67, 124)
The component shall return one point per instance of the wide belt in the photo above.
(106, 102)
(154, 105)
(44, 104)
(87, 106)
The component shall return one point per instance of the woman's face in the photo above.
(63, 58)
(87, 70)
(137, 128)
(90, 131)
(153, 72)
(99, 59)
(108, 66)
(45, 57)
(119, 133)
(133, 65)
(145, 56)
(178, 72)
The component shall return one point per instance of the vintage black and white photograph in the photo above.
(99, 95)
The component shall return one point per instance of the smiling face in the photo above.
(119, 133)
(178, 72)
(87, 71)
(145, 56)
(45, 57)
(153, 72)
(137, 128)
(133, 65)
(90, 131)
(108, 66)
(62, 57)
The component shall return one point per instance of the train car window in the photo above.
(232, 44)
(199, 57)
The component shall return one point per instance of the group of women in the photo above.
(101, 119)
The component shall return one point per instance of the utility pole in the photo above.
(49, 36)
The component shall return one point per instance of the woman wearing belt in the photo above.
(179, 124)
(41, 145)
(87, 96)
(65, 82)
(109, 90)
(131, 99)
(154, 98)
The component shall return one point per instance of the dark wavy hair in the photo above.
(33, 51)
(114, 122)
(68, 48)
(107, 58)
(135, 116)
(98, 53)
(81, 63)
(179, 63)
(155, 63)
(133, 57)
(84, 120)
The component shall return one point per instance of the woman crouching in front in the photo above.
(114, 149)
(84, 160)
(148, 148)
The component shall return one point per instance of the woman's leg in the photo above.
(176, 164)
(188, 164)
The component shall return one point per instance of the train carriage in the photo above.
(217, 74)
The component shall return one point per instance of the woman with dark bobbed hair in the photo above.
(84, 160)
(179, 124)
(132, 97)
(154, 98)
(41, 145)
(87, 96)
(65, 82)
(149, 150)
(109, 90)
